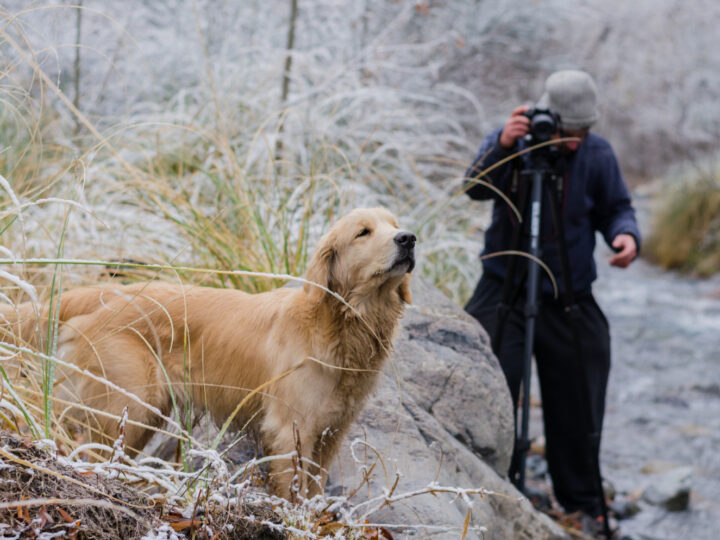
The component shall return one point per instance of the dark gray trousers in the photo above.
(565, 375)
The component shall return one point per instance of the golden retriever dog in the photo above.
(311, 357)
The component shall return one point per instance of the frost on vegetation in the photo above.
(202, 133)
(211, 484)
(163, 532)
(24, 286)
(367, 121)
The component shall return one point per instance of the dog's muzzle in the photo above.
(405, 242)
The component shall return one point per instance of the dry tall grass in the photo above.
(686, 229)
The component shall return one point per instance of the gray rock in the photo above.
(624, 507)
(670, 489)
(441, 416)
(444, 360)
(609, 489)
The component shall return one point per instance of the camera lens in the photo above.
(542, 126)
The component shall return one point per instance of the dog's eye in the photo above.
(364, 232)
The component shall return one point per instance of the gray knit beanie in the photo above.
(573, 95)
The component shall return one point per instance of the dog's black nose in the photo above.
(405, 239)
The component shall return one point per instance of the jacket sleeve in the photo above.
(615, 213)
(489, 154)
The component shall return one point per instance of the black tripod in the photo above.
(542, 177)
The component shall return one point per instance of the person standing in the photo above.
(571, 353)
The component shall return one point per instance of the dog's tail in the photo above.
(21, 323)
(27, 324)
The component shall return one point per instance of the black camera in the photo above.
(543, 124)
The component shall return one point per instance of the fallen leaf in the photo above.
(377, 533)
(67, 517)
(44, 517)
(330, 528)
(179, 524)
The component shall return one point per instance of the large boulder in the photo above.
(440, 418)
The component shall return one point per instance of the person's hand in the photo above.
(516, 126)
(627, 250)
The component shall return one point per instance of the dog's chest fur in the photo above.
(363, 345)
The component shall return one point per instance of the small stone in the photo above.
(537, 446)
(609, 489)
(624, 508)
(536, 466)
(670, 489)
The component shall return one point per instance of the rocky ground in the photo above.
(662, 425)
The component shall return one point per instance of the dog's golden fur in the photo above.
(217, 345)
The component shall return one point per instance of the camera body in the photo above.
(544, 123)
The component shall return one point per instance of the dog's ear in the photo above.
(404, 289)
(320, 269)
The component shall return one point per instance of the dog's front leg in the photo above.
(326, 448)
(289, 476)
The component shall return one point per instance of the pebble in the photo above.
(670, 489)
(624, 507)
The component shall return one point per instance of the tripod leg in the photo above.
(512, 288)
(522, 443)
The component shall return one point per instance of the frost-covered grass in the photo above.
(221, 174)
(202, 492)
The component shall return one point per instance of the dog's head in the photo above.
(364, 252)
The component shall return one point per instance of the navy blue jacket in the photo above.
(595, 198)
